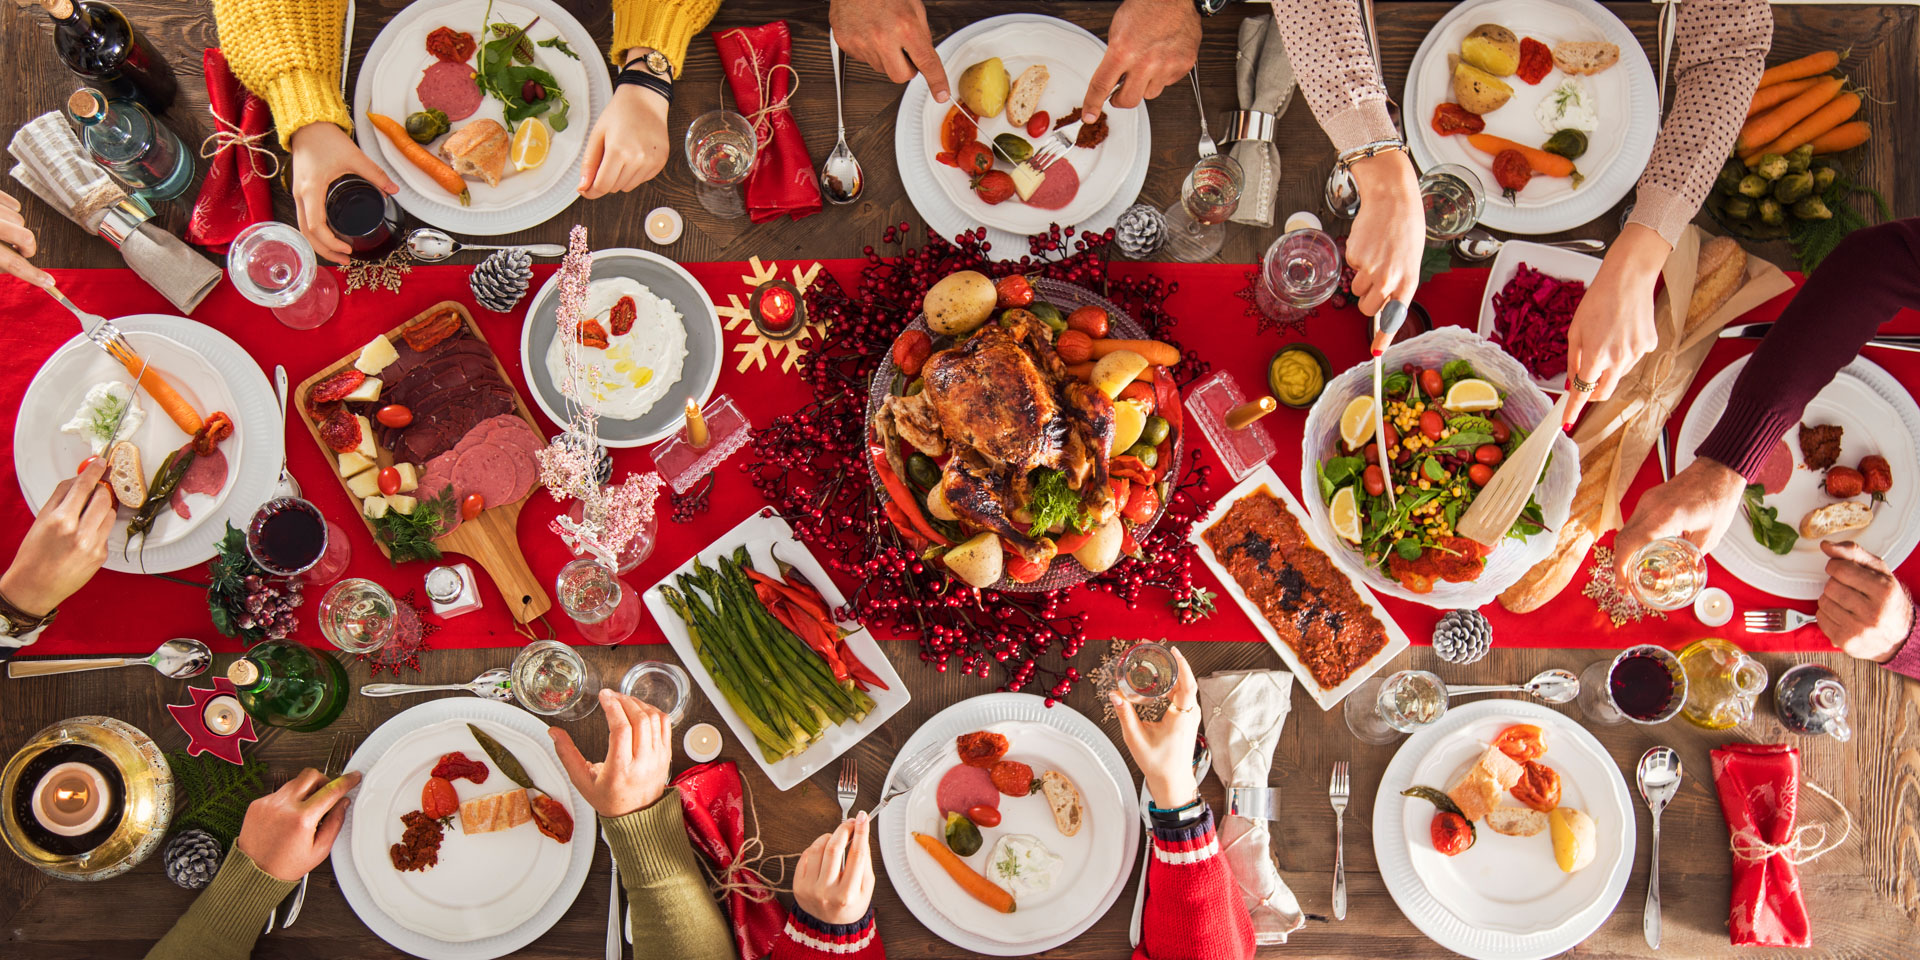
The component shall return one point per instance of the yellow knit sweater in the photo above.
(288, 51)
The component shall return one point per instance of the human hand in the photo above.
(289, 831)
(1864, 611)
(628, 145)
(1698, 504)
(17, 244)
(639, 749)
(834, 879)
(1613, 326)
(323, 153)
(1163, 749)
(1389, 234)
(892, 37)
(66, 544)
(1151, 43)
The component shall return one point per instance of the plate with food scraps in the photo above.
(768, 540)
(1505, 897)
(1038, 735)
(1610, 106)
(1875, 416)
(1339, 662)
(1109, 176)
(1543, 309)
(662, 346)
(491, 891)
(402, 77)
(212, 374)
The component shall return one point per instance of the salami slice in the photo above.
(450, 88)
(487, 471)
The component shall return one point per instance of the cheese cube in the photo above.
(402, 504)
(365, 484)
(1026, 180)
(352, 463)
(368, 390)
(409, 477)
(366, 447)
(375, 356)
(374, 507)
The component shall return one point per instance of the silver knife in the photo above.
(1756, 331)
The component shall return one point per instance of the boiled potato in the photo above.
(1492, 48)
(984, 86)
(1129, 421)
(937, 504)
(1115, 370)
(1477, 90)
(1102, 550)
(978, 562)
(960, 302)
(1574, 840)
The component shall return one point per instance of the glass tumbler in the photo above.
(1300, 271)
(361, 617)
(1196, 226)
(1453, 198)
(602, 605)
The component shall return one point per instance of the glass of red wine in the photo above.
(1644, 684)
(287, 536)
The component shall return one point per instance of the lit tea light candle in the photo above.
(777, 310)
(664, 225)
(1714, 607)
(702, 742)
(223, 715)
(1239, 417)
(71, 799)
(697, 434)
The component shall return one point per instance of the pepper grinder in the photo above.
(1811, 700)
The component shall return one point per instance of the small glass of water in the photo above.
(660, 685)
(602, 605)
(360, 616)
(550, 679)
(1299, 272)
(1454, 198)
(1146, 672)
(1380, 711)
(1667, 574)
(1196, 226)
(272, 265)
(721, 150)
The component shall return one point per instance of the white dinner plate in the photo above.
(1555, 262)
(1396, 637)
(1505, 898)
(490, 894)
(1019, 714)
(212, 373)
(1877, 415)
(1624, 97)
(392, 70)
(1110, 176)
(760, 534)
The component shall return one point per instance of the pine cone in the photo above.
(1462, 636)
(1140, 231)
(192, 857)
(502, 279)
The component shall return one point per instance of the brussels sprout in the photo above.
(1730, 176)
(1771, 212)
(1567, 143)
(1738, 208)
(1155, 431)
(1148, 456)
(1772, 166)
(922, 471)
(963, 837)
(1012, 146)
(1823, 178)
(1812, 208)
(424, 126)
(1048, 314)
(1754, 185)
(1792, 187)
(1800, 159)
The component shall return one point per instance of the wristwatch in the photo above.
(15, 622)
(1208, 8)
(651, 70)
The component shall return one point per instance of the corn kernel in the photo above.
(1425, 486)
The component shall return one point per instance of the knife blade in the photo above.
(1745, 331)
(1756, 331)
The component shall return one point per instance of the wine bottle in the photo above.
(285, 684)
(141, 151)
(97, 43)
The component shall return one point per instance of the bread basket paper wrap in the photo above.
(1525, 405)
(1243, 712)
(1615, 435)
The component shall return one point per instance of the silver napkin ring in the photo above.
(1251, 125)
(1253, 803)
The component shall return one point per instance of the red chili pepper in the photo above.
(859, 670)
(1166, 400)
(902, 524)
(899, 496)
(1127, 544)
(808, 598)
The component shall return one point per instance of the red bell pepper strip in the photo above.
(861, 674)
(1166, 399)
(1127, 544)
(898, 494)
(1129, 467)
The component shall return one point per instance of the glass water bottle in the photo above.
(141, 151)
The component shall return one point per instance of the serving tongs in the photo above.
(1386, 323)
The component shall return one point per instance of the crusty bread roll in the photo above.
(1064, 798)
(1024, 98)
(1479, 791)
(1723, 264)
(1584, 57)
(1836, 518)
(478, 149)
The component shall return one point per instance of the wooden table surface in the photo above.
(1864, 897)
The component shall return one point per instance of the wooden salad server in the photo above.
(1493, 512)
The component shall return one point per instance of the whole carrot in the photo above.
(1766, 98)
(1156, 352)
(969, 879)
(1813, 64)
(1843, 137)
(1833, 114)
(1542, 162)
(1768, 127)
(418, 156)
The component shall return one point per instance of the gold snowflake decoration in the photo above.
(379, 274)
(1604, 588)
(758, 351)
(1106, 679)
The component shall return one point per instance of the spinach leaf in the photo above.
(1396, 384)
(556, 43)
(1456, 370)
(1765, 522)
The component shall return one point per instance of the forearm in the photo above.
(806, 937)
(288, 52)
(663, 25)
(1720, 49)
(665, 888)
(1193, 909)
(1867, 279)
(1327, 45)
(227, 917)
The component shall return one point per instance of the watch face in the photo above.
(657, 62)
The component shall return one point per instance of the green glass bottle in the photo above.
(285, 684)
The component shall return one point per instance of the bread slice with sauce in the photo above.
(1068, 809)
(1478, 791)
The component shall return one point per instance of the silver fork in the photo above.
(1055, 146)
(1338, 790)
(849, 786)
(1776, 620)
(911, 773)
(1207, 147)
(337, 757)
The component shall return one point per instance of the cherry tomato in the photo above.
(1089, 320)
(1393, 436)
(1480, 474)
(1501, 432)
(1451, 832)
(1370, 453)
(1142, 503)
(1431, 384)
(390, 482)
(974, 158)
(1374, 481)
(84, 464)
(1068, 542)
(1037, 124)
(472, 505)
(984, 816)
(1122, 489)
(1539, 787)
(1522, 742)
(394, 415)
(1512, 171)
(438, 799)
(1489, 454)
(1431, 424)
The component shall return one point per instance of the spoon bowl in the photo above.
(1549, 686)
(840, 178)
(431, 246)
(1477, 244)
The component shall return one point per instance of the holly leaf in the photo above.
(1437, 259)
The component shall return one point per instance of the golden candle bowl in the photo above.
(145, 797)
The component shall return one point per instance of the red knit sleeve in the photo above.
(806, 937)
(1193, 911)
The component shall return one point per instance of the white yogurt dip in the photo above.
(625, 380)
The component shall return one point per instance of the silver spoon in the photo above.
(495, 684)
(178, 659)
(840, 177)
(430, 245)
(1553, 686)
(1659, 778)
(287, 486)
(1477, 244)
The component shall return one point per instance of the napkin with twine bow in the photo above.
(782, 181)
(1244, 712)
(238, 190)
(714, 803)
(1265, 78)
(1759, 786)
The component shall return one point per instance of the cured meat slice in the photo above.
(964, 788)
(450, 88)
(524, 470)
(486, 470)
(206, 475)
(1777, 469)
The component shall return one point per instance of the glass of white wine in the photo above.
(721, 150)
(1196, 226)
(1381, 711)
(551, 679)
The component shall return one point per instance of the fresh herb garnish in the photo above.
(556, 43)
(1053, 503)
(106, 417)
(409, 536)
(227, 594)
(1765, 521)
(1337, 472)
(1396, 384)
(505, 66)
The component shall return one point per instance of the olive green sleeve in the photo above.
(227, 917)
(665, 888)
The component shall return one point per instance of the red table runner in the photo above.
(122, 613)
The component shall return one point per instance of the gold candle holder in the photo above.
(141, 801)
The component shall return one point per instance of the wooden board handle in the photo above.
(491, 539)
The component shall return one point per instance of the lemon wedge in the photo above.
(531, 140)
(1346, 515)
(1471, 396)
(1356, 422)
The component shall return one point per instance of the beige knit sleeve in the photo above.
(1720, 49)
(1328, 47)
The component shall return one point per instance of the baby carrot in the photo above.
(1768, 127)
(1542, 162)
(1833, 114)
(968, 878)
(162, 392)
(418, 156)
(1157, 353)
(1843, 137)
(1766, 98)
(1813, 64)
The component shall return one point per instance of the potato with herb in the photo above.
(1477, 90)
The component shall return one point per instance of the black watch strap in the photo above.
(641, 77)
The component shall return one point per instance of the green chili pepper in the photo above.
(503, 758)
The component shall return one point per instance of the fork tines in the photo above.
(1775, 620)
(339, 754)
(1340, 786)
(849, 775)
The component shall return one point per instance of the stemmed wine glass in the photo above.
(1644, 684)
(1299, 272)
(361, 617)
(1196, 226)
(272, 265)
(604, 607)
(721, 150)
(1380, 711)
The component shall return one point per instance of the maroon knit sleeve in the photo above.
(1859, 286)
(1906, 660)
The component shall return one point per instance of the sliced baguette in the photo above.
(1836, 518)
(1479, 790)
(1516, 821)
(124, 473)
(1585, 57)
(1024, 98)
(1064, 798)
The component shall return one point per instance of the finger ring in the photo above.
(1581, 385)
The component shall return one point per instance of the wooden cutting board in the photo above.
(492, 538)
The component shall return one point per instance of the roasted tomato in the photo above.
(1512, 171)
(1844, 482)
(455, 765)
(437, 798)
(390, 481)
(1140, 393)
(1536, 61)
(340, 430)
(451, 45)
(1451, 118)
(1539, 787)
(984, 816)
(1021, 570)
(1522, 742)
(217, 427)
(974, 158)
(1074, 346)
(1070, 541)
(551, 817)
(1089, 320)
(472, 505)
(1878, 474)
(620, 319)
(1011, 777)
(1451, 832)
(1037, 124)
(428, 331)
(910, 351)
(980, 748)
(1142, 503)
(592, 334)
(394, 415)
(1432, 384)
(956, 131)
(1013, 290)
(336, 387)
(993, 187)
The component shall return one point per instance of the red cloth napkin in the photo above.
(714, 803)
(236, 192)
(782, 181)
(1759, 793)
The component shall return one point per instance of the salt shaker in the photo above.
(1811, 700)
(452, 590)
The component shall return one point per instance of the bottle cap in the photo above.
(243, 672)
(443, 584)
